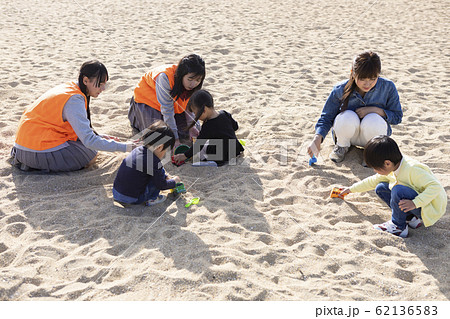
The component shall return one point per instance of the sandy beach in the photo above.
(265, 228)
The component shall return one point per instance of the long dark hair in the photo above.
(365, 65)
(93, 70)
(197, 103)
(191, 63)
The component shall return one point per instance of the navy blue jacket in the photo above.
(137, 170)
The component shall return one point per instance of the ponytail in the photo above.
(198, 102)
(93, 70)
(348, 89)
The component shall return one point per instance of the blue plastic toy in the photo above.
(312, 160)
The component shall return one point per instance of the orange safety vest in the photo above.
(145, 92)
(41, 126)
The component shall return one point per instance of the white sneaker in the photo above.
(204, 163)
(414, 222)
(161, 198)
(393, 229)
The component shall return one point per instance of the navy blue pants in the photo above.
(393, 197)
(151, 192)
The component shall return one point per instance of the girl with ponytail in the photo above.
(163, 94)
(55, 133)
(364, 106)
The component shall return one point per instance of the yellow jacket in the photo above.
(431, 195)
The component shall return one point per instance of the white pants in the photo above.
(351, 130)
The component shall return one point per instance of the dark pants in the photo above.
(151, 192)
(393, 197)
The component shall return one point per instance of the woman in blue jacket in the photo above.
(358, 109)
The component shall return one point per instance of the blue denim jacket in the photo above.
(383, 95)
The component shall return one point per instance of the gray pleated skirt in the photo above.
(71, 158)
(141, 116)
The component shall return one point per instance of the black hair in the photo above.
(93, 70)
(197, 103)
(365, 65)
(191, 63)
(379, 149)
(158, 133)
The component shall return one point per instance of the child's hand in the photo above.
(345, 192)
(406, 205)
(179, 158)
(193, 132)
(314, 147)
(177, 179)
(177, 143)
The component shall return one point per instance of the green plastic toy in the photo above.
(193, 201)
(179, 188)
(179, 150)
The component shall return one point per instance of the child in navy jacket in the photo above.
(141, 175)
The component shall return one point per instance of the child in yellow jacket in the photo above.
(408, 187)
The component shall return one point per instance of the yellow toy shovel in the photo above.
(193, 201)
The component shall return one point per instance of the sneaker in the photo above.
(122, 204)
(204, 163)
(157, 200)
(414, 222)
(393, 229)
(363, 163)
(338, 153)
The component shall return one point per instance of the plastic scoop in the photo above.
(193, 201)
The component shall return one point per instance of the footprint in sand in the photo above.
(7, 258)
(16, 229)
(3, 248)
(116, 250)
(122, 88)
(16, 219)
(404, 275)
(127, 67)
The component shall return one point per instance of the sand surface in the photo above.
(265, 229)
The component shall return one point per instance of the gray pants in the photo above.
(141, 116)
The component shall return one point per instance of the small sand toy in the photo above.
(179, 150)
(179, 188)
(312, 160)
(193, 201)
(336, 193)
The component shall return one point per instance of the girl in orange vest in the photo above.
(55, 133)
(163, 93)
